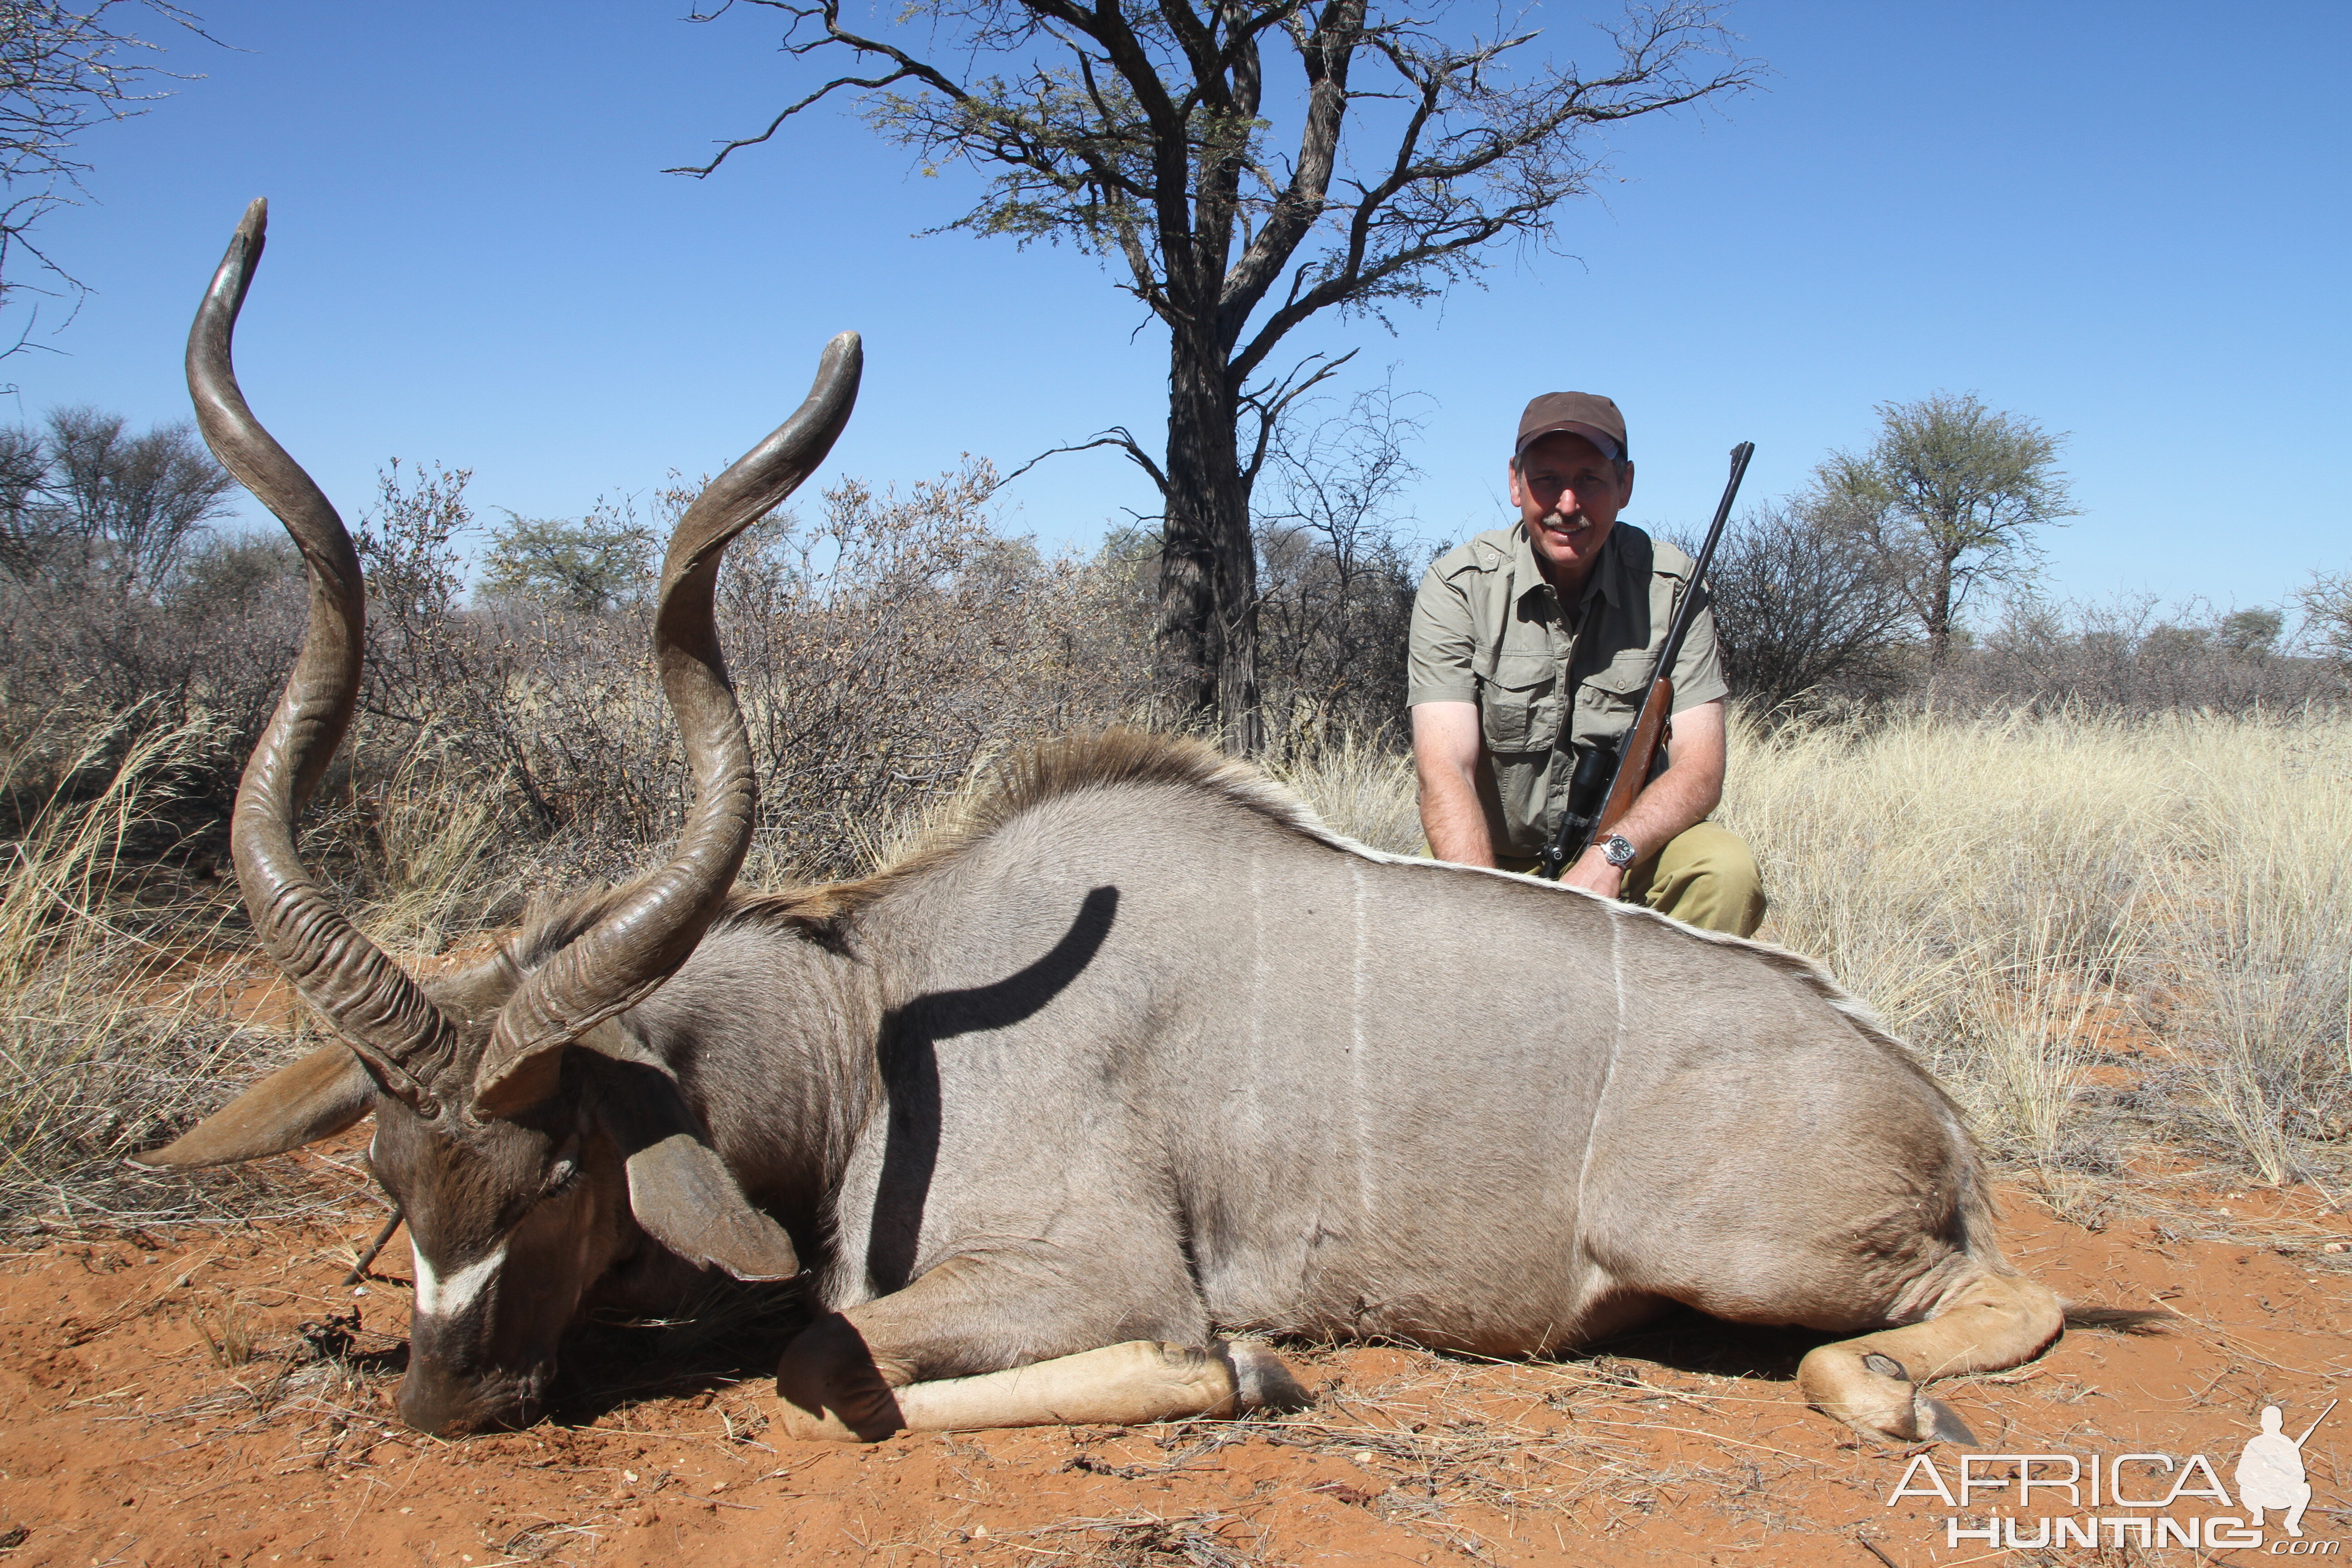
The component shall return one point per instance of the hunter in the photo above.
(1532, 641)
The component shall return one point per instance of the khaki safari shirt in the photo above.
(1488, 627)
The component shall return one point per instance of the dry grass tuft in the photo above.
(435, 853)
(111, 1035)
(1363, 791)
(1140, 1540)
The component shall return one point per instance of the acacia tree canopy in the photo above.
(1948, 499)
(1244, 167)
(592, 563)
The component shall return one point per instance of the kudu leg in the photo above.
(1872, 1382)
(849, 1377)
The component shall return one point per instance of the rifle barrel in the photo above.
(1688, 609)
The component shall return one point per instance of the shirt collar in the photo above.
(1603, 578)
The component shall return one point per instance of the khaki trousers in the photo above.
(1706, 877)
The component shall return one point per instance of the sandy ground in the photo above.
(214, 1395)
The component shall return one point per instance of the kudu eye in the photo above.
(564, 1169)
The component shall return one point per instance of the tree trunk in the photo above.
(1940, 614)
(1208, 568)
(1241, 720)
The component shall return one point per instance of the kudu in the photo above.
(1136, 1058)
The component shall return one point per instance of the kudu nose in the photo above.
(436, 1405)
(440, 1404)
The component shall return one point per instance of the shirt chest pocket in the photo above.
(1520, 706)
(1616, 691)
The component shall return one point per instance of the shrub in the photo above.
(2125, 656)
(1804, 620)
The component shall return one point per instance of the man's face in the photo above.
(1568, 495)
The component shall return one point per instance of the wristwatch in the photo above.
(1618, 850)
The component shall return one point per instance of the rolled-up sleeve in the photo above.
(1698, 668)
(1438, 647)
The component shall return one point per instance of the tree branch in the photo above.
(830, 12)
(1117, 436)
(1268, 406)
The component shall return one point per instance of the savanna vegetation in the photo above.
(2094, 862)
(1234, 207)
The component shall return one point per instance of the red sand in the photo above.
(160, 1402)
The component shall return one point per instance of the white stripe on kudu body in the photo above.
(438, 1298)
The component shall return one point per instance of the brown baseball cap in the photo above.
(1585, 413)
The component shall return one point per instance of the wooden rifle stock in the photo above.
(1652, 729)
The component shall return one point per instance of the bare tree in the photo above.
(87, 501)
(2326, 605)
(63, 68)
(137, 500)
(24, 468)
(1948, 498)
(1338, 568)
(1801, 612)
(1149, 133)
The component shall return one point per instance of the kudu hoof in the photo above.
(1874, 1394)
(1261, 1381)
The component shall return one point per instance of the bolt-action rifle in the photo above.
(1593, 809)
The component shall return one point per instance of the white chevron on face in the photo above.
(439, 1298)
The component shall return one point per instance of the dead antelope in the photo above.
(1136, 1061)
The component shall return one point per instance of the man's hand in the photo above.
(1595, 874)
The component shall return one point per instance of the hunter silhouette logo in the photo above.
(2145, 1500)
(2270, 1472)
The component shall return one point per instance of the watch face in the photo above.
(1618, 852)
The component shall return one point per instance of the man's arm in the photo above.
(1675, 800)
(1447, 750)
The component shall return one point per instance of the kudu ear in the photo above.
(316, 1098)
(680, 1190)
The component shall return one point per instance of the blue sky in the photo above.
(2123, 220)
